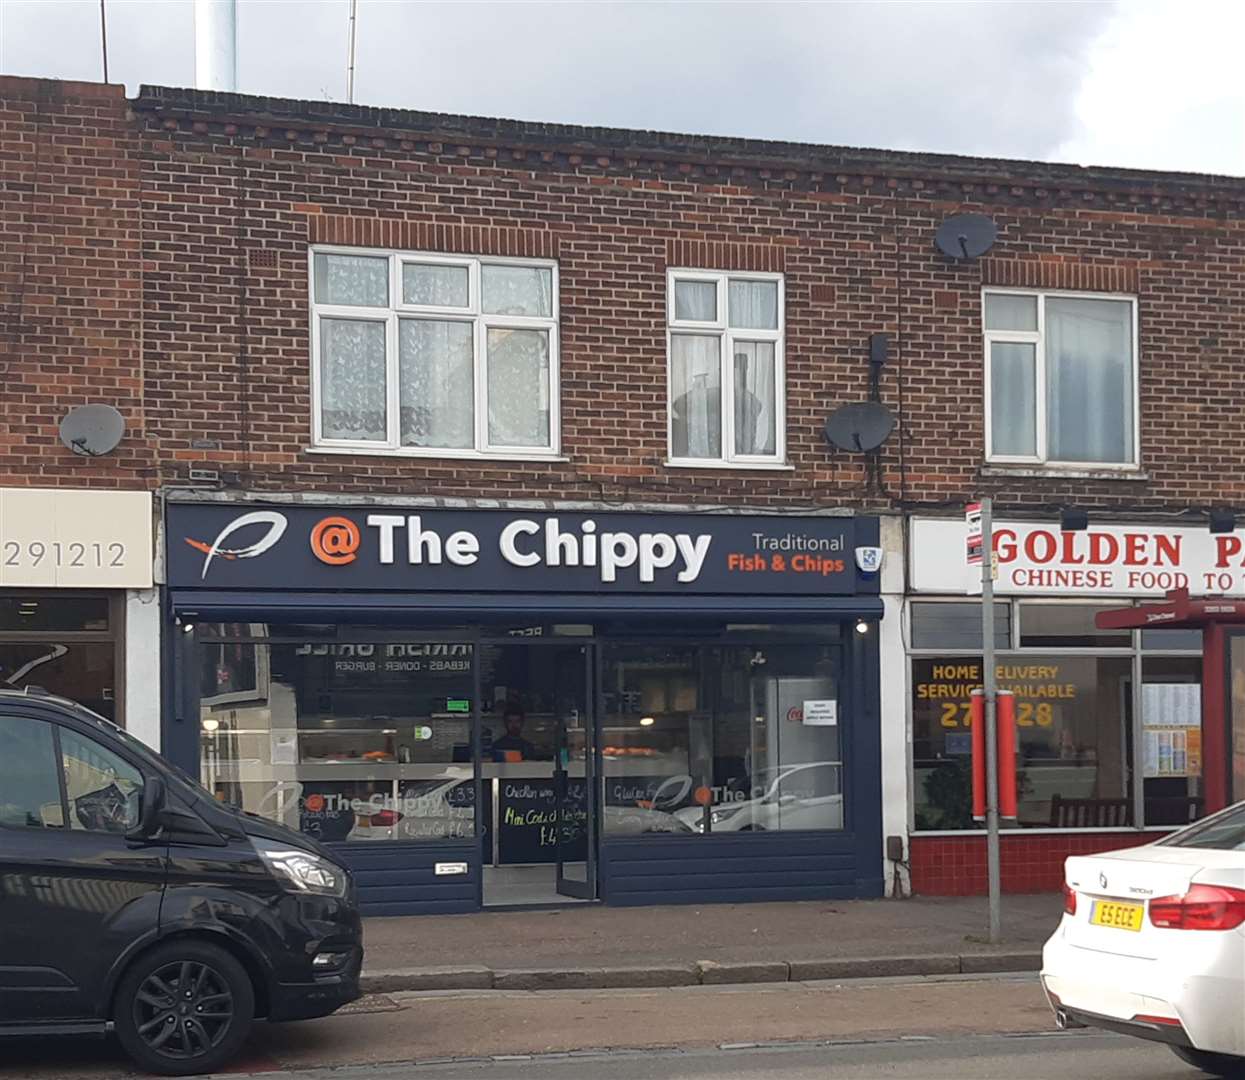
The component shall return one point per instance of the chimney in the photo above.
(216, 37)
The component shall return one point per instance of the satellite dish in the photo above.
(966, 236)
(861, 426)
(92, 430)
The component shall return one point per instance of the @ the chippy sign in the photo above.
(379, 548)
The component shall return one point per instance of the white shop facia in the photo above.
(79, 613)
(1108, 720)
(1113, 561)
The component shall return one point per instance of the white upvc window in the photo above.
(434, 355)
(1061, 378)
(724, 341)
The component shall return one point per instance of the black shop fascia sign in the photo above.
(382, 548)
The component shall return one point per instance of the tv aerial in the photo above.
(92, 430)
(966, 236)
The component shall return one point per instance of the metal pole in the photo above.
(354, 25)
(216, 45)
(991, 696)
(103, 36)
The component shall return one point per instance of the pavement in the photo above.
(598, 947)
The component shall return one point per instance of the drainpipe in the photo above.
(216, 37)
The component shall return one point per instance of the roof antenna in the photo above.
(354, 25)
(103, 36)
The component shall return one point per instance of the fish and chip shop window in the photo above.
(721, 739)
(1096, 712)
(710, 728)
(341, 740)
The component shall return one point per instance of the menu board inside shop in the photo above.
(1171, 715)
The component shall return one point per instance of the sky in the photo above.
(1139, 83)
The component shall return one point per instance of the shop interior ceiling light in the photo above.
(862, 627)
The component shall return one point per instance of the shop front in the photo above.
(1112, 747)
(502, 707)
(78, 614)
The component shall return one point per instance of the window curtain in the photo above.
(517, 290)
(518, 388)
(754, 305)
(435, 381)
(756, 427)
(352, 379)
(1089, 380)
(696, 396)
(695, 301)
(1013, 398)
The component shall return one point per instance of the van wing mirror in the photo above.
(151, 809)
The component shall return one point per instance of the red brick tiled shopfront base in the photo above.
(956, 865)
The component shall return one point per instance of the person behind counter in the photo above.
(512, 746)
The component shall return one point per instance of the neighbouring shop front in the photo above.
(1111, 742)
(78, 614)
(500, 707)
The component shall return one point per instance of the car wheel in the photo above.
(184, 1008)
(1228, 1066)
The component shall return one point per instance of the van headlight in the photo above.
(301, 871)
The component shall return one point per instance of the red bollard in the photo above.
(977, 724)
(1005, 729)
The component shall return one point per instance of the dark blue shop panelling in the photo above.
(401, 879)
(725, 869)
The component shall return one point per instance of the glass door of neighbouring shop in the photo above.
(537, 764)
(1236, 714)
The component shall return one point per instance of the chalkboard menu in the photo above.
(527, 822)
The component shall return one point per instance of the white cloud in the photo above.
(1164, 90)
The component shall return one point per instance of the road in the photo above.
(988, 1057)
(936, 1027)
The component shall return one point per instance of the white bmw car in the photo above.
(1152, 943)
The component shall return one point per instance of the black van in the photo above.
(133, 901)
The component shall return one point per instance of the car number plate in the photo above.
(1119, 916)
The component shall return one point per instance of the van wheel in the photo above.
(1228, 1066)
(184, 1008)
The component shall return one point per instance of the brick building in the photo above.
(516, 364)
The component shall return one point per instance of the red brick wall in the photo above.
(956, 865)
(70, 280)
(224, 194)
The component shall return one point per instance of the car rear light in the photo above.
(1203, 907)
(1069, 899)
(385, 819)
(1165, 1021)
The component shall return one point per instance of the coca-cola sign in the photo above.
(1038, 559)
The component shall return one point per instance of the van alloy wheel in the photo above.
(184, 1009)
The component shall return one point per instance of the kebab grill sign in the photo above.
(1109, 560)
